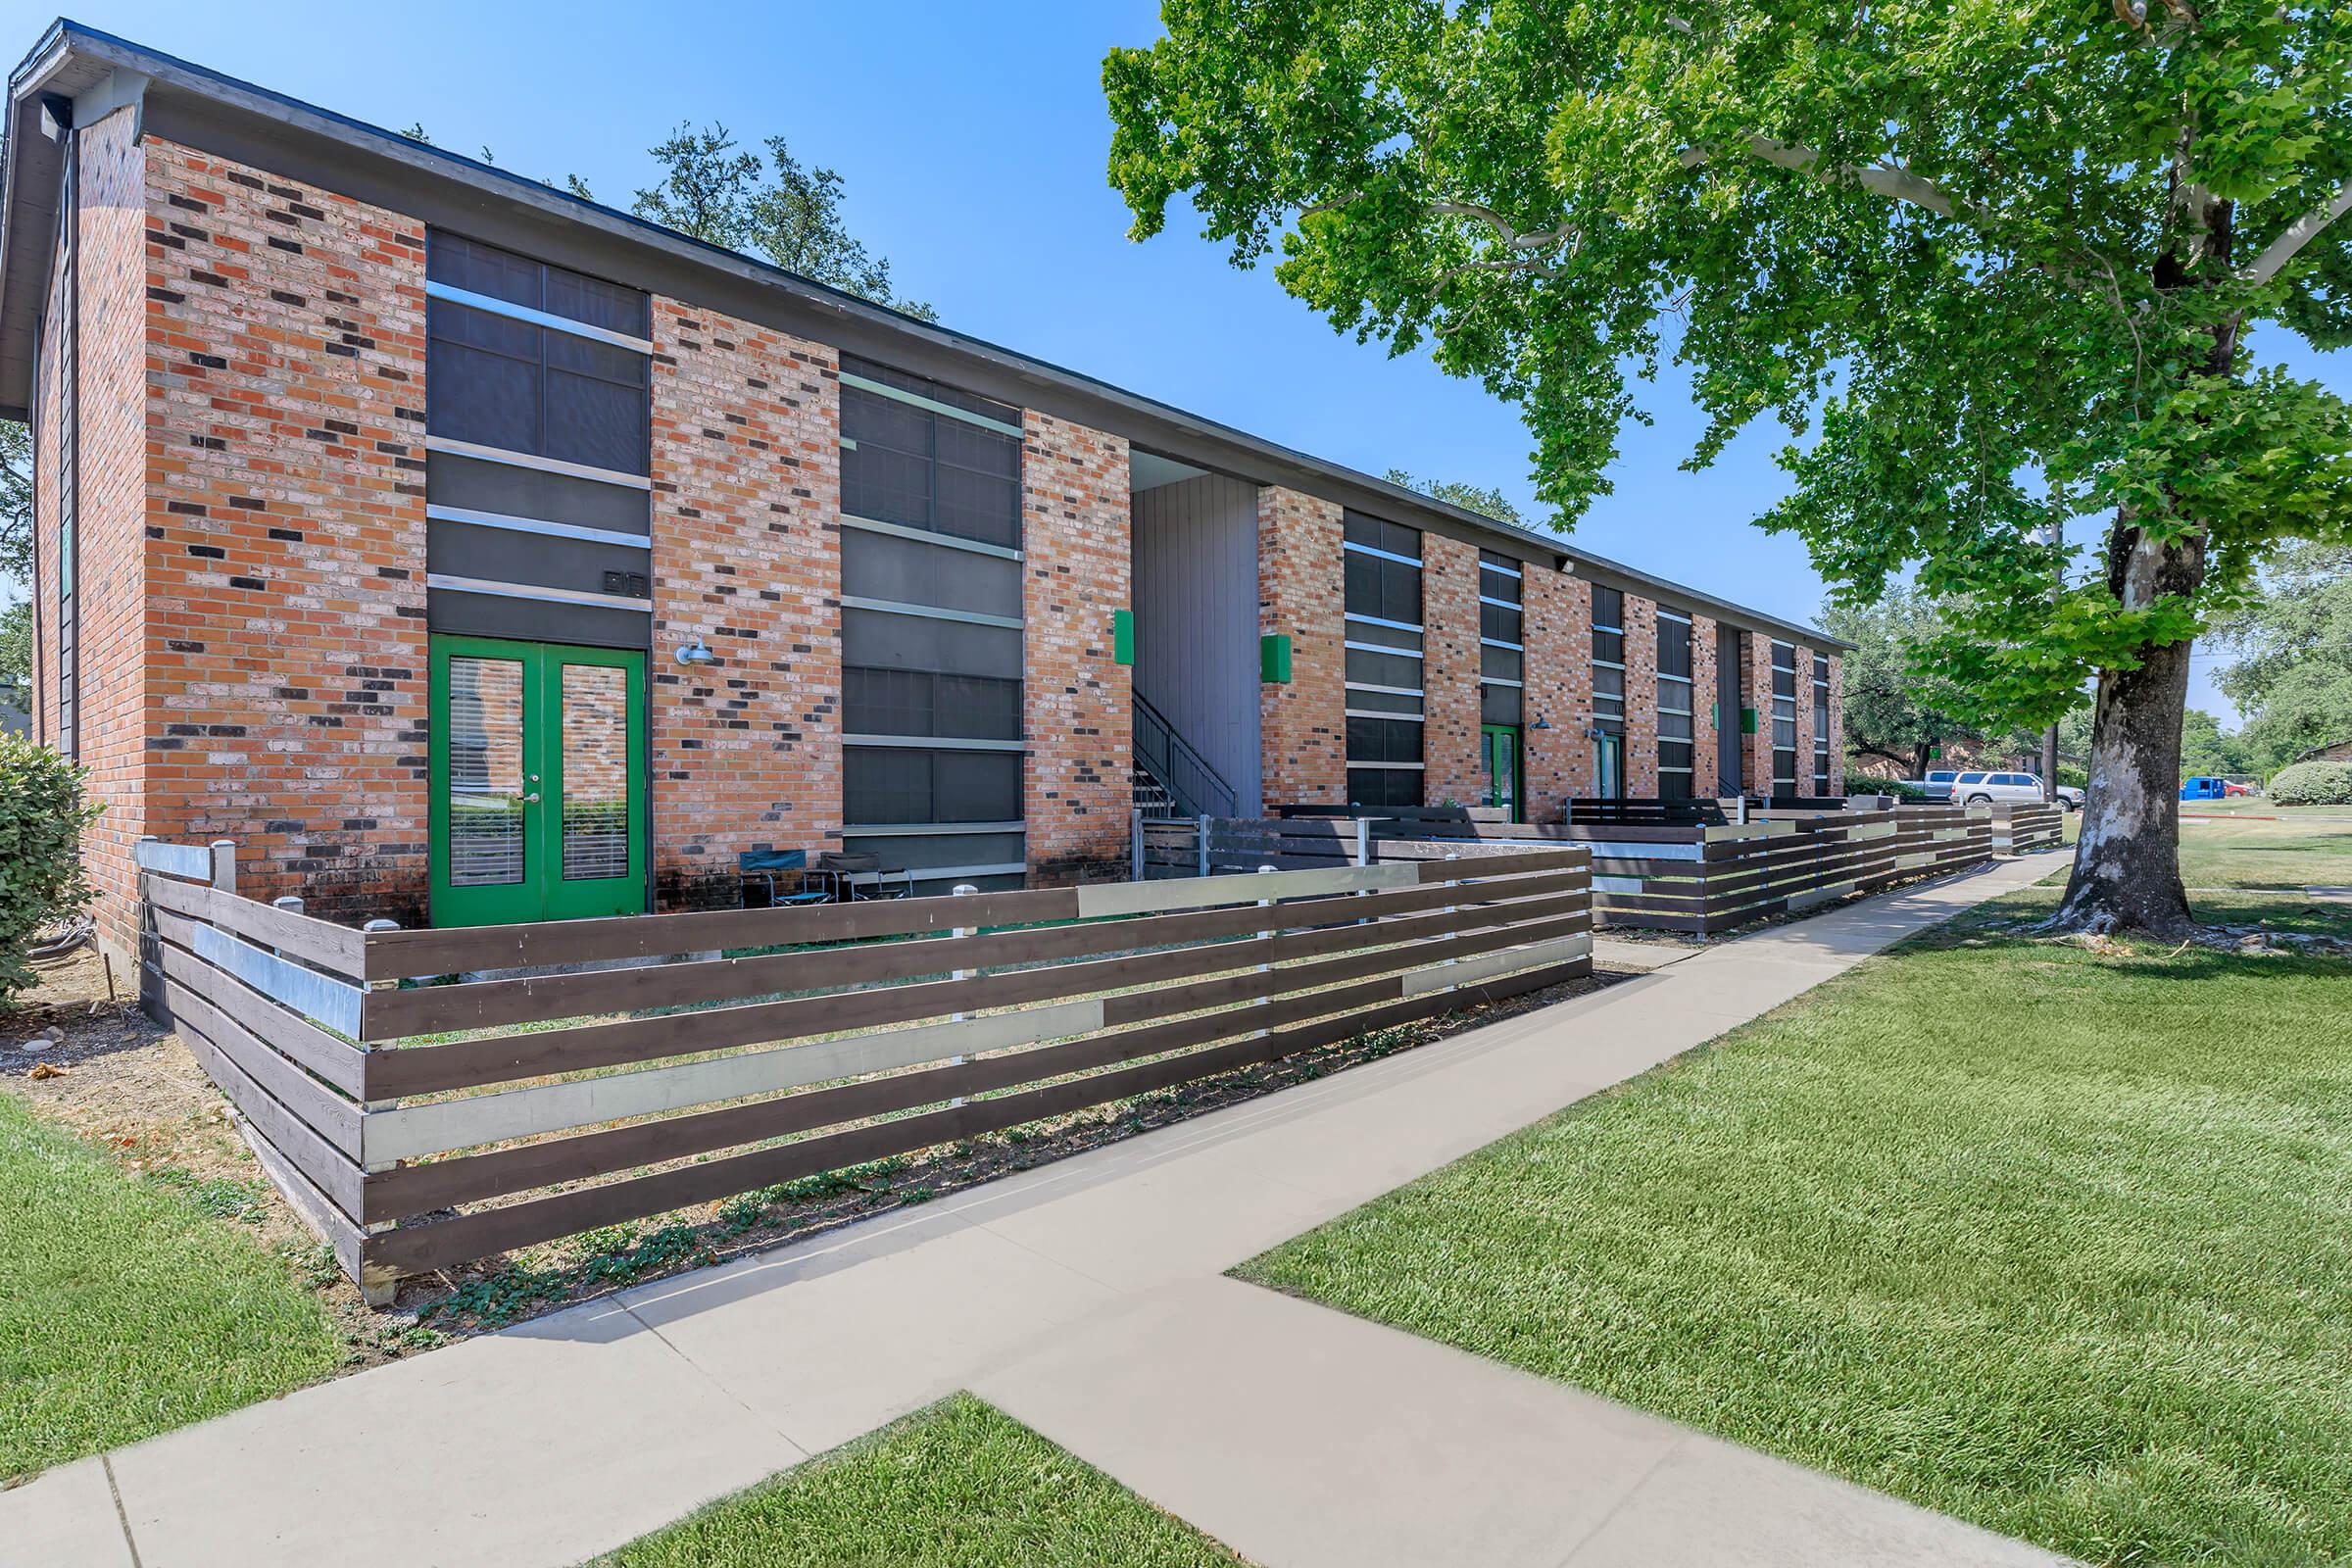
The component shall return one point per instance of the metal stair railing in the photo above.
(1198, 789)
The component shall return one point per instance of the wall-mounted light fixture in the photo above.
(694, 651)
(1541, 722)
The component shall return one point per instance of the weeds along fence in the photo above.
(1699, 877)
(428, 1097)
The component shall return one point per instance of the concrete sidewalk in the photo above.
(1086, 1298)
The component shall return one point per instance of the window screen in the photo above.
(1676, 748)
(926, 456)
(1382, 584)
(1393, 788)
(883, 785)
(501, 274)
(915, 701)
(1821, 725)
(1783, 719)
(1608, 657)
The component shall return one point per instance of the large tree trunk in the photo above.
(2128, 865)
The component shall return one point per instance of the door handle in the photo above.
(531, 799)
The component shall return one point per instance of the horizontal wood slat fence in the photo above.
(1687, 875)
(415, 1097)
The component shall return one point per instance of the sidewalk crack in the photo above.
(705, 1373)
(130, 1542)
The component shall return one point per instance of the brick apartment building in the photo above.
(467, 552)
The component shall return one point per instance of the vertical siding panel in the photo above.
(1196, 620)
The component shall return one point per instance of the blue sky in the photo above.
(972, 140)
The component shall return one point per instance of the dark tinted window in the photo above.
(893, 785)
(1375, 535)
(922, 467)
(533, 389)
(1500, 624)
(1499, 704)
(1674, 648)
(1384, 740)
(1394, 788)
(914, 702)
(501, 274)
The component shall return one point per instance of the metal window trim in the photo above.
(1410, 766)
(1609, 664)
(934, 743)
(540, 526)
(1382, 648)
(901, 830)
(494, 306)
(1386, 691)
(451, 583)
(1501, 570)
(902, 530)
(1503, 604)
(933, 405)
(1500, 680)
(894, 607)
(937, 873)
(1673, 615)
(1381, 621)
(1374, 713)
(1496, 642)
(1413, 561)
(529, 459)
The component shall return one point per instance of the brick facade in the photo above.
(1706, 771)
(286, 678)
(1836, 724)
(1641, 697)
(745, 753)
(1302, 723)
(1078, 700)
(1451, 773)
(1557, 619)
(1758, 647)
(1804, 720)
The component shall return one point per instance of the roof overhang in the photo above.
(221, 115)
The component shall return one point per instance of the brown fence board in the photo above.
(335, 1119)
(485, 1232)
(336, 1177)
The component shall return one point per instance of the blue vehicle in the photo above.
(2204, 789)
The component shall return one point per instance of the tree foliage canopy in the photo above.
(2292, 678)
(778, 206)
(1482, 499)
(1995, 265)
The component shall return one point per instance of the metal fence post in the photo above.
(1452, 909)
(1201, 844)
(1264, 968)
(962, 890)
(1135, 844)
(378, 1290)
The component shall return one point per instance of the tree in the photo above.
(1894, 710)
(2000, 264)
(2292, 678)
(15, 643)
(1484, 500)
(791, 214)
(2207, 748)
(15, 500)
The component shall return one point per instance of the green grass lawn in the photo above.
(2305, 846)
(125, 1310)
(961, 1485)
(2054, 1242)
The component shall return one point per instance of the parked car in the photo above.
(2070, 797)
(1936, 783)
(2240, 786)
(1983, 789)
(2204, 787)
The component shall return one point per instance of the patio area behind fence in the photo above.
(427, 1098)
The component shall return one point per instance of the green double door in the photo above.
(1498, 753)
(538, 781)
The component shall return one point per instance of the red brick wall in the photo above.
(745, 753)
(1558, 618)
(1302, 723)
(1804, 720)
(1641, 698)
(1759, 697)
(287, 682)
(1836, 724)
(1080, 708)
(1449, 664)
(1704, 770)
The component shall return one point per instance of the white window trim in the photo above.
(1374, 712)
(1377, 620)
(881, 390)
(1377, 648)
(1413, 561)
(492, 305)
(1390, 691)
(529, 459)
(935, 743)
(893, 607)
(538, 525)
(451, 583)
(943, 830)
(949, 541)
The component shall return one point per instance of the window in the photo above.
(531, 358)
(1383, 649)
(1676, 746)
(1783, 719)
(890, 785)
(1608, 659)
(925, 456)
(1821, 725)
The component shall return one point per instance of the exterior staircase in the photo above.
(1151, 797)
(1180, 782)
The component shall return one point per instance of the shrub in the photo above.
(42, 812)
(1902, 789)
(2313, 784)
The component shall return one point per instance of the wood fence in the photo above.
(420, 1125)
(1680, 876)
(2027, 829)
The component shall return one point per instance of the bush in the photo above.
(42, 812)
(2313, 784)
(1902, 789)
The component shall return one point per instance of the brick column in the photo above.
(1706, 771)
(1804, 720)
(284, 380)
(1302, 723)
(1079, 702)
(1450, 667)
(1559, 616)
(1836, 724)
(1759, 697)
(746, 751)
(1641, 698)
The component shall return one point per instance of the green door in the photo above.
(1498, 750)
(538, 781)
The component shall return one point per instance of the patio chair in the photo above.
(861, 876)
(776, 878)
